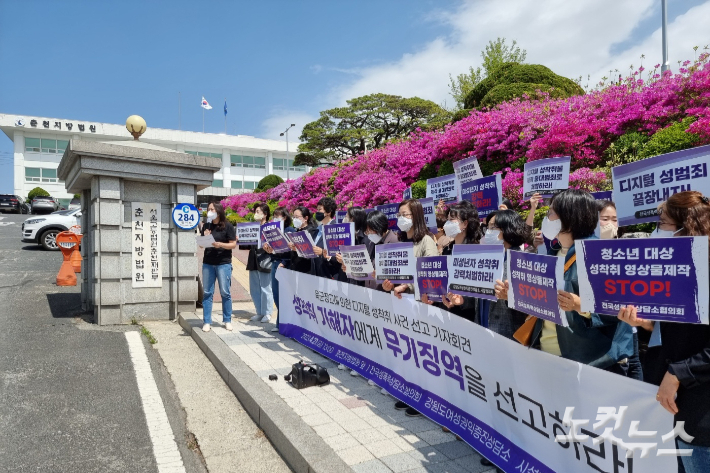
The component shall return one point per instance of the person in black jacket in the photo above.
(302, 220)
(681, 364)
(279, 260)
(260, 279)
(358, 217)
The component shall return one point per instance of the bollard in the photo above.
(76, 254)
(67, 242)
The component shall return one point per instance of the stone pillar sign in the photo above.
(137, 262)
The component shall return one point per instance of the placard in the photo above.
(390, 211)
(248, 233)
(486, 194)
(546, 177)
(337, 235)
(640, 186)
(357, 262)
(340, 215)
(443, 187)
(466, 170)
(272, 233)
(433, 276)
(429, 208)
(474, 270)
(304, 243)
(146, 263)
(534, 281)
(186, 216)
(601, 195)
(407, 193)
(395, 262)
(665, 278)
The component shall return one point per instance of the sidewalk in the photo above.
(356, 420)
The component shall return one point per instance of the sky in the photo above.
(278, 62)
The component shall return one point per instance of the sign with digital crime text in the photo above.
(474, 269)
(146, 270)
(395, 262)
(466, 170)
(357, 262)
(337, 235)
(486, 194)
(443, 187)
(429, 208)
(433, 276)
(391, 211)
(664, 278)
(494, 393)
(534, 281)
(304, 243)
(546, 177)
(248, 233)
(639, 187)
(272, 233)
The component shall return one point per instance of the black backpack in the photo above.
(304, 376)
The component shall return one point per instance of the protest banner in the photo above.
(429, 207)
(474, 270)
(534, 281)
(665, 278)
(640, 186)
(337, 235)
(396, 262)
(443, 187)
(507, 401)
(546, 177)
(486, 194)
(391, 211)
(272, 233)
(248, 233)
(466, 170)
(407, 194)
(433, 276)
(340, 215)
(367, 211)
(304, 244)
(601, 195)
(357, 262)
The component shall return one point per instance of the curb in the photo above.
(302, 449)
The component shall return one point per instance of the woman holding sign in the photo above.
(279, 260)
(302, 221)
(681, 366)
(260, 272)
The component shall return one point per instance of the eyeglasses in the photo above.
(405, 215)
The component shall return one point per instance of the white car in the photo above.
(43, 229)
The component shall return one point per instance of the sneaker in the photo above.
(445, 429)
(411, 412)
(384, 391)
(228, 326)
(275, 329)
(255, 318)
(486, 462)
(400, 406)
(371, 382)
(354, 373)
(265, 319)
(206, 328)
(341, 366)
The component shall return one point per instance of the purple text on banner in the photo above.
(340, 215)
(486, 194)
(248, 233)
(304, 243)
(534, 281)
(602, 195)
(546, 177)
(338, 234)
(429, 208)
(395, 262)
(391, 211)
(433, 276)
(474, 270)
(664, 278)
(272, 232)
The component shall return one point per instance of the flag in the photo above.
(206, 105)
(225, 107)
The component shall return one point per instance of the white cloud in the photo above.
(279, 120)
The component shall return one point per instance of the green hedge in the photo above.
(419, 189)
(673, 138)
(268, 182)
(37, 191)
(504, 92)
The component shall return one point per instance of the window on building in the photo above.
(280, 165)
(33, 174)
(62, 146)
(194, 153)
(49, 146)
(236, 184)
(49, 175)
(236, 160)
(217, 183)
(32, 145)
(254, 162)
(249, 184)
(208, 155)
(216, 155)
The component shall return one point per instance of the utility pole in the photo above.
(287, 165)
(664, 33)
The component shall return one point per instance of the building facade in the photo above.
(39, 144)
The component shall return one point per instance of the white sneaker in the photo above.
(275, 329)
(228, 326)
(255, 318)
(384, 391)
(354, 373)
(371, 382)
(266, 319)
(206, 328)
(341, 366)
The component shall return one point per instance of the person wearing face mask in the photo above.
(260, 277)
(680, 362)
(358, 217)
(608, 223)
(593, 339)
(325, 215)
(279, 260)
(217, 264)
(302, 221)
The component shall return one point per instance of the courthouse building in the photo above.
(40, 142)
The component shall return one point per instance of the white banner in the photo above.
(466, 170)
(443, 187)
(357, 262)
(505, 400)
(146, 245)
(546, 177)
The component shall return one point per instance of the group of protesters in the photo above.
(673, 356)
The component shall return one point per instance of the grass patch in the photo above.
(148, 335)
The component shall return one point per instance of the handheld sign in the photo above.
(338, 234)
(546, 177)
(443, 187)
(340, 215)
(664, 278)
(433, 276)
(640, 186)
(429, 207)
(391, 211)
(367, 211)
(186, 216)
(474, 270)
(534, 281)
(601, 195)
(357, 262)
(486, 194)
(304, 244)
(466, 170)
(272, 232)
(396, 262)
(248, 233)
(407, 194)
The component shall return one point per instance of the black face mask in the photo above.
(320, 216)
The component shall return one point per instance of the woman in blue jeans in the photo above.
(279, 259)
(217, 264)
(260, 279)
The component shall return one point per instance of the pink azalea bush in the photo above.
(511, 133)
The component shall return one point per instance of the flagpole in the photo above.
(179, 110)
(225, 117)
(203, 119)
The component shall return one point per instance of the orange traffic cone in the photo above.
(67, 242)
(75, 257)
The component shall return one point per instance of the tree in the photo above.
(495, 54)
(366, 123)
(37, 192)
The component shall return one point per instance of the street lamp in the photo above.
(282, 134)
(664, 35)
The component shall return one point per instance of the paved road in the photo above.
(69, 400)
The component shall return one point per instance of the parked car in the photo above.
(44, 229)
(203, 207)
(13, 203)
(44, 204)
(74, 204)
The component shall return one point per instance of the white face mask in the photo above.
(211, 215)
(404, 223)
(491, 237)
(658, 233)
(258, 217)
(277, 219)
(346, 220)
(452, 228)
(297, 222)
(374, 238)
(551, 228)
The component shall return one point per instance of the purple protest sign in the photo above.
(337, 235)
(367, 211)
(602, 195)
(665, 278)
(443, 187)
(485, 193)
(340, 215)
(407, 194)
(429, 213)
(534, 281)
(391, 211)
(433, 276)
(546, 177)
(395, 262)
(475, 269)
(272, 233)
(304, 244)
